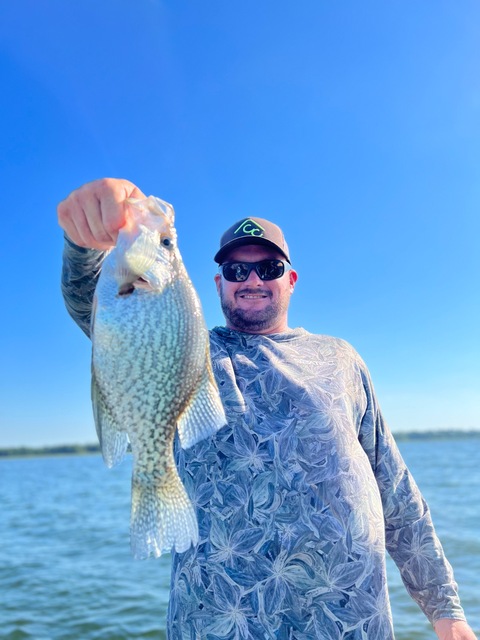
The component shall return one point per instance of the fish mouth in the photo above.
(127, 288)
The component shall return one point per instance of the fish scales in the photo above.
(151, 374)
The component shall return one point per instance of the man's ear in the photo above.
(218, 282)
(293, 276)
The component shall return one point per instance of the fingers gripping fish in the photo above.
(151, 373)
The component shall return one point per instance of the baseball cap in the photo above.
(252, 231)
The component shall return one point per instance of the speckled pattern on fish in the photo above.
(151, 373)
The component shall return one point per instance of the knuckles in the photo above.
(101, 199)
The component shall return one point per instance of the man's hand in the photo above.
(92, 215)
(447, 629)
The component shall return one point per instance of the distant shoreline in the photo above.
(85, 449)
(59, 450)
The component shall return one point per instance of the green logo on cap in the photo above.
(250, 228)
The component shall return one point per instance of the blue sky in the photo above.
(353, 125)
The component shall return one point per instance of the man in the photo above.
(299, 495)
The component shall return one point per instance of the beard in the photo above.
(252, 320)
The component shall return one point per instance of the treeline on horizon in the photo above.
(83, 449)
(59, 450)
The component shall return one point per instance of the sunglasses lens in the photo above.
(270, 269)
(236, 271)
(266, 270)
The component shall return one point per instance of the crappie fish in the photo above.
(151, 373)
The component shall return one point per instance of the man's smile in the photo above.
(253, 295)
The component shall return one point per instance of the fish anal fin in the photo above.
(113, 442)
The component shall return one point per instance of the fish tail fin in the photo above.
(162, 516)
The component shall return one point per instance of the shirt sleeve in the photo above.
(80, 270)
(411, 540)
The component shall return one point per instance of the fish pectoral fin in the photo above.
(204, 415)
(113, 442)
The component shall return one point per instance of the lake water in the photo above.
(66, 570)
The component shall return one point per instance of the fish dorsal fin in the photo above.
(204, 414)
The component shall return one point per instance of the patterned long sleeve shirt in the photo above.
(297, 498)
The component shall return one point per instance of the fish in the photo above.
(152, 376)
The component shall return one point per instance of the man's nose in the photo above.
(253, 278)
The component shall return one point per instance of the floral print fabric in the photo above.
(297, 498)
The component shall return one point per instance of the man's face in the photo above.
(254, 305)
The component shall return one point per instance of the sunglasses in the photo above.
(265, 270)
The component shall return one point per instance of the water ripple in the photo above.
(66, 570)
